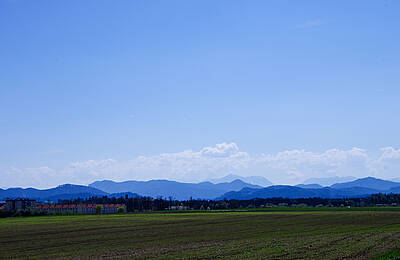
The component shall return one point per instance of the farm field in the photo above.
(239, 235)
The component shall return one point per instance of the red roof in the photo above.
(75, 206)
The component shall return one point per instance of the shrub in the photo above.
(99, 209)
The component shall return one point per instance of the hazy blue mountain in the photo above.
(62, 191)
(394, 190)
(269, 192)
(329, 180)
(256, 180)
(294, 192)
(309, 186)
(177, 190)
(236, 189)
(354, 192)
(369, 182)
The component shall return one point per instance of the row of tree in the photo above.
(161, 204)
(134, 204)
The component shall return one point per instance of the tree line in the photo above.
(146, 204)
(162, 204)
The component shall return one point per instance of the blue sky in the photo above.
(114, 81)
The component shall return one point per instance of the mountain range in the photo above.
(177, 190)
(368, 182)
(293, 192)
(236, 189)
(329, 180)
(358, 188)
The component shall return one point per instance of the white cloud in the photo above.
(296, 165)
(287, 167)
(389, 153)
(221, 150)
(189, 165)
(388, 164)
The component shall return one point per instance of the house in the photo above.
(87, 209)
(79, 208)
(20, 204)
(181, 207)
(112, 208)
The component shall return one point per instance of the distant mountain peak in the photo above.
(368, 182)
(369, 178)
(255, 180)
(236, 181)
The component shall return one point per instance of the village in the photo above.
(23, 205)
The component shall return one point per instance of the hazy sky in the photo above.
(189, 90)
